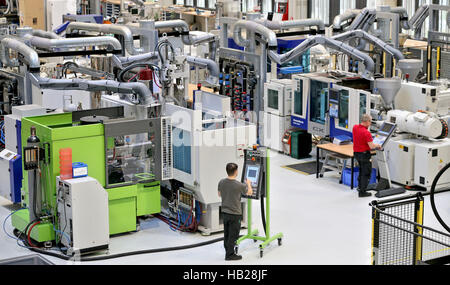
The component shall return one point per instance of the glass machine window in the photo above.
(319, 101)
(298, 99)
(129, 158)
(181, 150)
(362, 104)
(272, 97)
(343, 108)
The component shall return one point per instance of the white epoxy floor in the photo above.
(323, 222)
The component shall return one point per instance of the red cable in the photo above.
(133, 77)
(29, 234)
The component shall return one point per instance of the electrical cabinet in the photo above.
(278, 97)
(83, 216)
(430, 158)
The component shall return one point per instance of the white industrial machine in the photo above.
(13, 124)
(277, 111)
(346, 106)
(55, 11)
(415, 97)
(327, 104)
(83, 214)
(421, 147)
(204, 141)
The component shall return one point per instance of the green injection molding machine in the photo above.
(128, 157)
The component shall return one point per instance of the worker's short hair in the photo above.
(231, 168)
(366, 118)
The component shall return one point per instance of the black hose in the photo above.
(433, 205)
(104, 257)
(132, 66)
(263, 214)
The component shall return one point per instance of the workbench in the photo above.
(341, 150)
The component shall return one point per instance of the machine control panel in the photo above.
(334, 103)
(254, 170)
(384, 133)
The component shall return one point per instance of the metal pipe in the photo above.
(374, 40)
(253, 27)
(29, 54)
(211, 65)
(417, 20)
(284, 25)
(364, 20)
(46, 43)
(187, 37)
(124, 31)
(347, 15)
(403, 16)
(120, 61)
(138, 88)
(321, 40)
(45, 34)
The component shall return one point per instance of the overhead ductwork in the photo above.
(46, 43)
(209, 64)
(120, 61)
(123, 31)
(190, 38)
(403, 16)
(29, 55)
(360, 34)
(140, 89)
(345, 17)
(45, 34)
(334, 44)
(253, 27)
(284, 25)
(417, 20)
(271, 39)
(364, 20)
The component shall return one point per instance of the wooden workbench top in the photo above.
(346, 149)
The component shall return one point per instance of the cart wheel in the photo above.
(320, 175)
(236, 250)
(254, 241)
(261, 253)
(279, 242)
(340, 181)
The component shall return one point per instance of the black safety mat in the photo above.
(306, 168)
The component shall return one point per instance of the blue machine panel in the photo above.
(15, 167)
(299, 123)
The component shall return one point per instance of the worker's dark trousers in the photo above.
(231, 228)
(365, 169)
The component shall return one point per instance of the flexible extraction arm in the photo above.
(332, 43)
(271, 39)
(374, 40)
(347, 15)
(417, 20)
(364, 20)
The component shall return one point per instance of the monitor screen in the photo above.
(386, 128)
(384, 133)
(252, 174)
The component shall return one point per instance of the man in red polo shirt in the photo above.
(362, 145)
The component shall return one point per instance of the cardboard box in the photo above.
(32, 13)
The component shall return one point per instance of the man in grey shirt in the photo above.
(231, 190)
